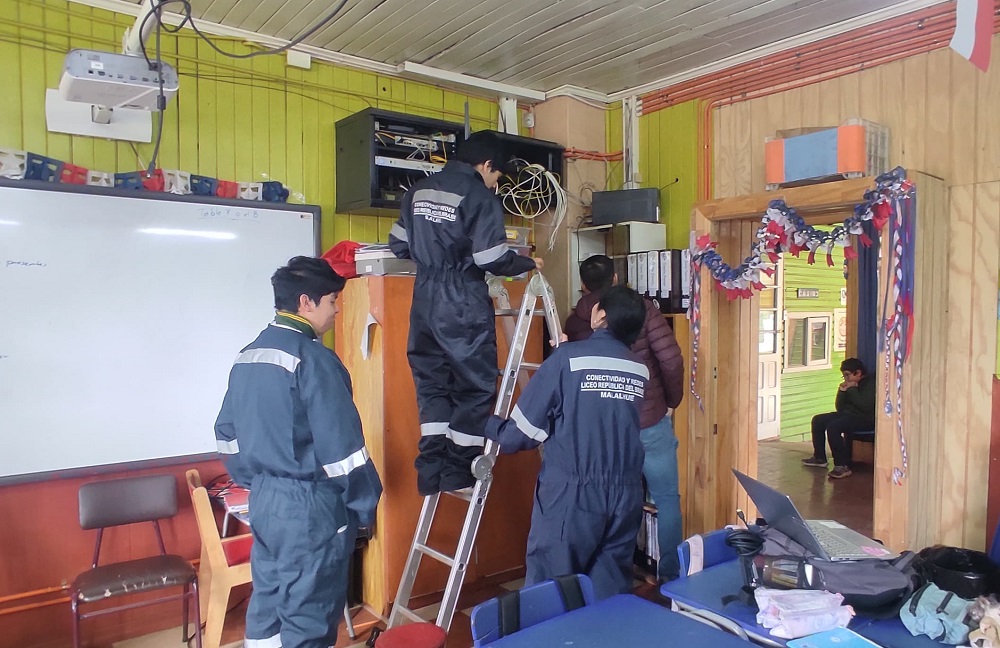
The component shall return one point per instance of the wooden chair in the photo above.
(119, 502)
(225, 562)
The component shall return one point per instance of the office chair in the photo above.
(514, 611)
(120, 502)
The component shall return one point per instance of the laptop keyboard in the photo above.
(835, 545)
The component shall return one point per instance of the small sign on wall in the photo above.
(807, 293)
(839, 329)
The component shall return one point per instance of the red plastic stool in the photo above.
(413, 635)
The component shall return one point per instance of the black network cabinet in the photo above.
(533, 151)
(381, 153)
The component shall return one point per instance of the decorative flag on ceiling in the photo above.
(974, 31)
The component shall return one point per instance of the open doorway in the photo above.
(804, 337)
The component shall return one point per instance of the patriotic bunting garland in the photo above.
(782, 229)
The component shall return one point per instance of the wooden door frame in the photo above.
(722, 434)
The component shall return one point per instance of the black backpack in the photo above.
(875, 588)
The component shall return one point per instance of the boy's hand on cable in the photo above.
(539, 263)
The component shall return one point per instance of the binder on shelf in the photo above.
(642, 275)
(653, 274)
(632, 279)
(685, 279)
(666, 282)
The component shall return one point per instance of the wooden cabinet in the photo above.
(386, 399)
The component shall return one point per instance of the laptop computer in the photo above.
(826, 539)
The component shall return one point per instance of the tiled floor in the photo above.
(779, 464)
(848, 500)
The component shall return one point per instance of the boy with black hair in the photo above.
(289, 431)
(855, 407)
(583, 403)
(451, 225)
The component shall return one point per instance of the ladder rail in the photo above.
(514, 374)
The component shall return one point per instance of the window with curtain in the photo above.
(808, 341)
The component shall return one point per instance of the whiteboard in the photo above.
(121, 315)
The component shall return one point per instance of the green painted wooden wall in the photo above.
(807, 393)
(668, 159)
(243, 120)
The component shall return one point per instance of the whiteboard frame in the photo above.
(104, 469)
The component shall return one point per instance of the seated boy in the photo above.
(855, 406)
(583, 403)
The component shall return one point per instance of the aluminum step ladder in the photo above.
(515, 372)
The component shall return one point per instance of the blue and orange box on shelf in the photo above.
(857, 148)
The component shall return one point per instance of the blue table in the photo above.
(623, 620)
(707, 589)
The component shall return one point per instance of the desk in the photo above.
(706, 589)
(623, 620)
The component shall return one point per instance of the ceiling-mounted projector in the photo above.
(114, 80)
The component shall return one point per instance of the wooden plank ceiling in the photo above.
(603, 45)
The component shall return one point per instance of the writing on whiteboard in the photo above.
(230, 213)
(24, 264)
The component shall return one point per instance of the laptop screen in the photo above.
(780, 513)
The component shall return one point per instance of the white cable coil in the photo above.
(534, 190)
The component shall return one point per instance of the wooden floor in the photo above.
(848, 501)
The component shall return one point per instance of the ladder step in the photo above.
(530, 366)
(408, 613)
(435, 554)
(514, 312)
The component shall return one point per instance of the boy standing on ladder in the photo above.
(583, 403)
(451, 225)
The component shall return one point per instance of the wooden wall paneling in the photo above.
(870, 95)
(746, 444)
(914, 113)
(988, 121)
(742, 151)
(758, 133)
(893, 98)
(957, 378)
(849, 90)
(727, 361)
(792, 100)
(701, 473)
(963, 111)
(11, 130)
(937, 129)
(928, 409)
(986, 268)
(724, 164)
(811, 108)
(829, 104)
(682, 331)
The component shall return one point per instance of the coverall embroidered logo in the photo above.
(434, 212)
(612, 386)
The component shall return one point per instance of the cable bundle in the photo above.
(533, 190)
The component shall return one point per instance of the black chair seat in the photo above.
(133, 576)
(865, 437)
